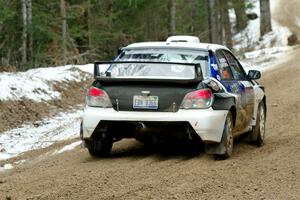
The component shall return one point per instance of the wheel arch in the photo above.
(225, 101)
(264, 100)
(233, 111)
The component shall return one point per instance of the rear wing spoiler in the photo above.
(98, 76)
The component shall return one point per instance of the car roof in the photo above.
(185, 45)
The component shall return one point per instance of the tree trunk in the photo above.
(24, 32)
(219, 22)
(192, 9)
(172, 15)
(210, 8)
(215, 27)
(265, 17)
(226, 25)
(240, 12)
(89, 24)
(29, 23)
(64, 28)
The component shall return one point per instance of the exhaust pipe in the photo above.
(140, 126)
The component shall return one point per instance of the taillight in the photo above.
(98, 98)
(197, 99)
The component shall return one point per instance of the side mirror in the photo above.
(254, 74)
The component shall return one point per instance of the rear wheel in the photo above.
(258, 133)
(227, 139)
(103, 149)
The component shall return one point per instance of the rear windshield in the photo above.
(160, 70)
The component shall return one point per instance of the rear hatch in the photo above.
(163, 97)
(152, 92)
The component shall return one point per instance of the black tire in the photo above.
(102, 151)
(227, 139)
(259, 131)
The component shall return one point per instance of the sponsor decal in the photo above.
(235, 88)
(215, 67)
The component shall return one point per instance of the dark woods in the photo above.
(35, 33)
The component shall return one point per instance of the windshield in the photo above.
(160, 70)
(152, 70)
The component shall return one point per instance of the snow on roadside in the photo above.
(265, 51)
(89, 68)
(39, 135)
(6, 167)
(9, 166)
(297, 21)
(36, 84)
(265, 59)
(270, 50)
(67, 147)
(250, 36)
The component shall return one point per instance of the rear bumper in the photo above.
(207, 123)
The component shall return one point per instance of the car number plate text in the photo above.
(145, 102)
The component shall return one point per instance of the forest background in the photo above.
(38, 33)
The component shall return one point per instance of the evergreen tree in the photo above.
(265, 17)
(49, 33)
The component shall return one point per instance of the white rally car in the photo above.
(172, 90)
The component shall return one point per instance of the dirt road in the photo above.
(132, 172)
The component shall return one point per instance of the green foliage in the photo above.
(192, 19)
(95, 28)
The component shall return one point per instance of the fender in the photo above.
(259, 96)
(223, 101)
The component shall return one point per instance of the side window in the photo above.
(223, 66)
(236, 68)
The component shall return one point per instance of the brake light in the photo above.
(197, 99)
(98, 98)
(95, 92)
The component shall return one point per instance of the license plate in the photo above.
(145, 102)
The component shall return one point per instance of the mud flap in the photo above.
(92, 144)
(216, 148)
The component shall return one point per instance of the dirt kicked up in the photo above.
(133, 172)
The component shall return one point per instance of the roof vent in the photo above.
(183, 38)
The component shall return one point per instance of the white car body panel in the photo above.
(258, 97)
(199, 46)
(207, 123)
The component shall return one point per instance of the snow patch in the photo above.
(31, 137)
(6, 167)
(89, 68)
(250, 37)
(251, 34)
(265, 52)
(265, 59)
(36, 84)
(67, 147)
(297, 21)
(19, 162)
